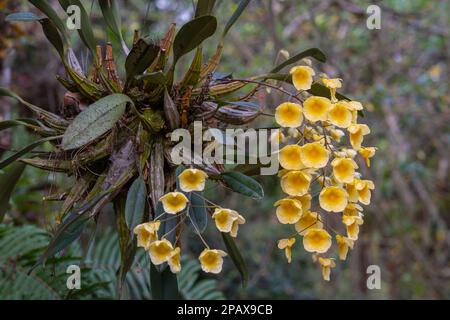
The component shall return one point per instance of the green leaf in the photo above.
(156, 77)
(241, 7)
(313, 52)
(135, 204)
(235, 255)
(47, 9)
(110, 11)
(25, 150)
(318, 89)
(164, 285)
(192, 34)
(204, 7)
(52, 34)
(22, 16)
(9, 180)
(243, 184)
(94, 121)
(26, 122)
(197, 212)
(140, 57)
(167, 227)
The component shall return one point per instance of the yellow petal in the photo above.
(174, 202)
(290, 157)
(314, 155)
(160, 251)
(289, 115)
(317, 240)
(212, 260)
(288, 211)
(316, 108)
(192, 180)
(333, 199)
(302, 77)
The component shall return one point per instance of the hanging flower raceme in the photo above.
(319, 151)
(128, 159)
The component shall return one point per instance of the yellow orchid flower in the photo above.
(288, 211)
(146, 233)
(340, 114)
(314, 155)
(289, 115)
(327, 264)
(211, 260)
(344, 244)
(295, 183)
(305, 200)
(344, 169)
(367, 153)
(363, 187)
(160, 251)
(309, 220)
(302, 77)
(192, 180)
(287, 244)
(289, 157)
(317, 240)
(234, 228)
(174, 202)
(333, 199)
(357, 133)
(174, 260)
(332, 84)
(316, 108)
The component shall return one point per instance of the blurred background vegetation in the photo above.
(401, 75)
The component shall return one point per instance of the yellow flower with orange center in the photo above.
(367, 153)
(357, 133)
(227, 220)
(309, 220)
(146, 233)
(340, 114)
(289, 157)
(314, 155)
(344, 169)
(211, 260)
(192, 180)
(289, 115)
(174, 202)
(288, 211)
(317, 240)
(287, 244)
(316, 108)
(224, 219)
(327, 264)
(344, 244)
(302, 77)
(160, 251)
(295, 183)
(333, 199)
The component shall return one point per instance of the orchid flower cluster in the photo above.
(318, 159)
(176, 203)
